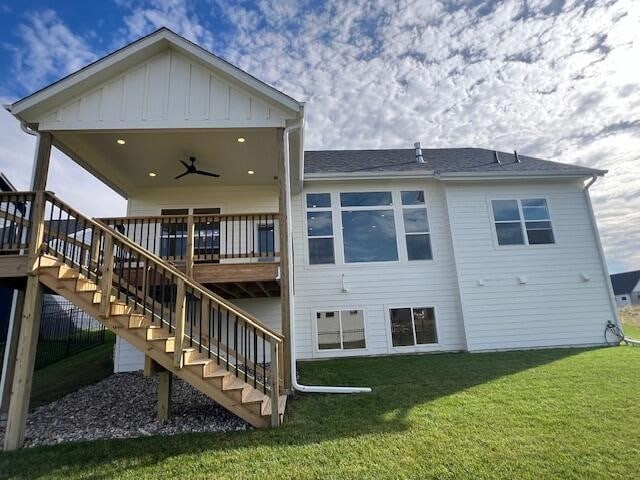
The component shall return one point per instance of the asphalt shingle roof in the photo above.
(624, 282)
(441, 160)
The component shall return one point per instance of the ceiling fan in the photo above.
(192, 169)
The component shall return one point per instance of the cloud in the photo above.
(144, 17)
(551, 78)
(47, 50)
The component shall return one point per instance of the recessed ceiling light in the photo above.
(152, 174)
(241, 139)
(120, 141)
(250, 172)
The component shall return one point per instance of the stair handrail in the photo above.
(246, 316)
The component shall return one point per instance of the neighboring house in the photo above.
(626, 288)
(343, 252)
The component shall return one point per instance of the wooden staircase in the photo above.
(202, 372)
(224, 352)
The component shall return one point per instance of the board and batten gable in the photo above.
(376, 287)
(168, 90)
(528, 296)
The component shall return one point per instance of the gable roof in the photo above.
(100, 70)
(438, 162)
(625, 282)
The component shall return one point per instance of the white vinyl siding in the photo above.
(528, 297)
(372, 286)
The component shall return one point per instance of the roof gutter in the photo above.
(292, 323)
(603, 263)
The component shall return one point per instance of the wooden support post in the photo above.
(107, 277)
(25, 356)
(190, 242)
(179, 330)
(25, 360)
(164, 395)
(11, 347)
(284, 258)
(275, 384)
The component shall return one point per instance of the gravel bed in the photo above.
(125, 405)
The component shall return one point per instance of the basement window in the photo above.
(320, 229)
(413, 326)
(522, 222)
(340, 330)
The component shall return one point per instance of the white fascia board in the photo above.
(317, 177)
(471, 176)
(155, 41)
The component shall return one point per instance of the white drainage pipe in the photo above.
(292, 332)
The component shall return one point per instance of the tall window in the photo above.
(173, 233)
(416, 226)
(320, 228)
(522, 222)
(207, 233)
(413, 326)
(340, 330)
(368, 227)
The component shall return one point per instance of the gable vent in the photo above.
(419, 157)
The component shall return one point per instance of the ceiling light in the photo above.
(152, 174)
(250, 172)
(241, 139)
(120, 141)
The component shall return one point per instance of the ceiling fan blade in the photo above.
(181, 175)
(186, 165)
(208, 174)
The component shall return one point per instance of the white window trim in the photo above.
(393, 208)
(333, 352)
(329, 209)
(404, 230)
(418, 347)
(338, 240)
(518, 199)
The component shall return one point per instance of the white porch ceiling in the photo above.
(126, 168)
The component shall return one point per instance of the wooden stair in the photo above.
(202, 372)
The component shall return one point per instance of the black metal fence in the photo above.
(64, 331)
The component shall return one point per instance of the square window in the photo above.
(341, 330)
(318, 200)
(412, 198)
(419, 247)
(369, 236)
(321, 251)
(413, 326)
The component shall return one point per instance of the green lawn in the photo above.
(529, 415)
(84, 368)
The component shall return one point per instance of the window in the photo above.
(341, 330)
(413, 326)
(320, 228)
(623, 298)
(416, 226)
(173, 233)
(207, 233)
(522, 222)
(368, 227)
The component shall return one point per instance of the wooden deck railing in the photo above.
(197, 317)
(188, 239)
(15, 226)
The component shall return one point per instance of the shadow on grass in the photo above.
(399, 384)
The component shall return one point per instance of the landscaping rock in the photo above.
(125, 405)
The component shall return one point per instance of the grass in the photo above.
(87, 367)
(564, 413)
(630, 317)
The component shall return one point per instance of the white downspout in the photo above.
(292, 323)
(605, 269)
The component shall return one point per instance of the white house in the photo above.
(626, 288)
(333, 253)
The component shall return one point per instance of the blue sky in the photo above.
(559, 79)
